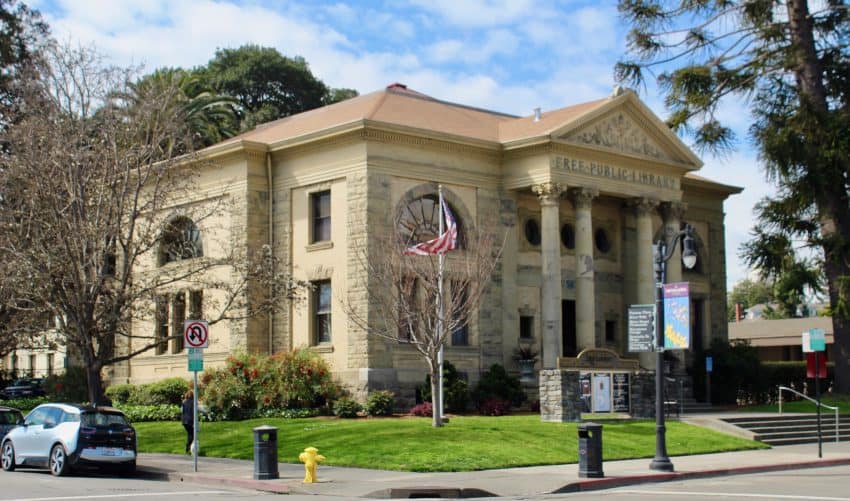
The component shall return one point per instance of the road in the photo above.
(817, 484)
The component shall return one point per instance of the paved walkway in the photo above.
(355, 482)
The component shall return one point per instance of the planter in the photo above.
(526, 370)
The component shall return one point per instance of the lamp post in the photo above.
(662, 252)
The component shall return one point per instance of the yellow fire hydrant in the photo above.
(311, 459)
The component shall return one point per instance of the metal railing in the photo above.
(810, 400)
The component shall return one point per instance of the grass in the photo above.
(803, 405)
(467, 443)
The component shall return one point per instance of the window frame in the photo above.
(320, 224)
(321, 314)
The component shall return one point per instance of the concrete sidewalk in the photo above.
(355, 482)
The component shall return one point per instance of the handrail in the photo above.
(811, 400)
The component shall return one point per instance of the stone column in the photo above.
(672, 213)
(644, 208)
(550, 250)
(585, 290)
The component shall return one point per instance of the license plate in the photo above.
(109, 451)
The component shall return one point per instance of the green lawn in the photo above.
(411, 444)
(803, 405)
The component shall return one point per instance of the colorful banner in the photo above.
(677, 316)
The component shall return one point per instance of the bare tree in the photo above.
(101, 212)
(403, 290)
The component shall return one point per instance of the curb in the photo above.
(273, 486)
(610, 483)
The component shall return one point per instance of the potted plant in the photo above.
(525, 356)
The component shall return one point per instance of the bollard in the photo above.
(265, 453)
(590, 450)
(311, 458)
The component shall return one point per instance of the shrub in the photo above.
(140, 413)
(119, 393)
(380, 403)
(495, 407)
(425, 409)
(496, 383)
(455, 389)
(252, 384)
(25, 404)
(70, 386)
(346, 408)
(167, 391)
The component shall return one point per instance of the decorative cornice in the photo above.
(549, 193)
(583, 197)
(619, 132)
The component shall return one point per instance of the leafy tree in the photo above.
(789, 61)
(209, 117)
(22, 33)
(266, 84)
(91, 173)
(748, 293)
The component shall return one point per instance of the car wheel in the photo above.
(58, 461)
(8, 456)
(128, 468)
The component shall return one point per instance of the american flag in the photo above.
(443, 243)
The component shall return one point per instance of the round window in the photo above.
(532, 232)
(603, 243)
(568, 236)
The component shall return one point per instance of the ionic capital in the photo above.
(549, 193)
(643, 206)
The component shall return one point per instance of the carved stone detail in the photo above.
(619, 132)
(549, 193)
(643, 206)
(583, 197)
(673, 211)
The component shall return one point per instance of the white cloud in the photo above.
(479, 13)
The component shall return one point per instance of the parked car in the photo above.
(9, 418)
(64, 436)
(22, 388)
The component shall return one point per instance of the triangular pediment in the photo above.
(627, 126)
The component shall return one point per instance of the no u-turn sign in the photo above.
(196, 333)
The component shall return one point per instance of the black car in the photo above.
(9, 418)
(24, 388)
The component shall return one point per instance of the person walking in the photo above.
(187, 416)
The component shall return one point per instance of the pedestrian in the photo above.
(187, 416)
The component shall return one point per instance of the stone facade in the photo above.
(578, 194)
(560, 400)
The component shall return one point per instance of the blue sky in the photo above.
(505, 55)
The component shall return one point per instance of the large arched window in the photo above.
(180, 240)
(419, 221)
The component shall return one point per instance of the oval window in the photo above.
(603, 243)
(532, 232)
(568, 236)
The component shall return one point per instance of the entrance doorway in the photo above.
(568, 328)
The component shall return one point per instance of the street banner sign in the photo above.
(814, 340)
(709, 364)
(677, 316)
(196, 333)
(810, 366)
(196, 359)
(641, 328)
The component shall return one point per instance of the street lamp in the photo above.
(662, 252)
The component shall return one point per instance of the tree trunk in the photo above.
(96, 396)
(437, 412)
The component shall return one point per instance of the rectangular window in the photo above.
(526, 327)
(196, 305)
(322, 311)
(459, 307)
(407, 310)
(161, 328)
(32, 365)
(320, 207)
(50, 362)
(178, 316)
(610, 331)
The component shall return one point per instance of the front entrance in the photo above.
(568, 328)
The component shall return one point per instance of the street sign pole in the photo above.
(817, 397)
(195, 425)
(196, 337)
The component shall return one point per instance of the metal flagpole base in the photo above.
(661, 464)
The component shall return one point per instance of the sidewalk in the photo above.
(355, 482)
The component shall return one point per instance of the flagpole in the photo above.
(440, 257)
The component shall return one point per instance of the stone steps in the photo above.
(793, 429)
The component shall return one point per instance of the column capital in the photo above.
(673, 211)
(583, 197)
(643, 206)
(549, 193)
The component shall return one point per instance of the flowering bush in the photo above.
(254, 384)
(424, 409)
(380, 403)
(495, 407)
(346, 408)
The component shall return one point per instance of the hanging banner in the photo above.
(677, 316)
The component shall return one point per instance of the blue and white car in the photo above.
(62, 436)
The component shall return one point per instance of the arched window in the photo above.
(180, 240)
(419, 221)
